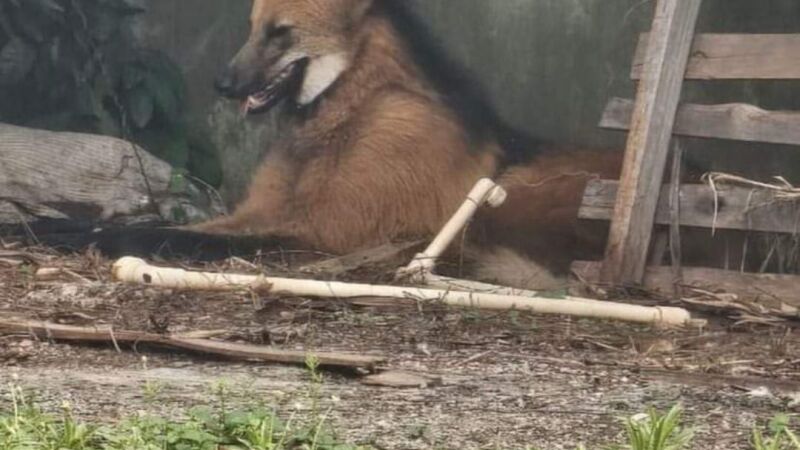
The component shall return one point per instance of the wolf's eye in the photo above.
(278, 31)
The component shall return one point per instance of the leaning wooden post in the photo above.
(654, 114)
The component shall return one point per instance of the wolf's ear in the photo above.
(357, 9)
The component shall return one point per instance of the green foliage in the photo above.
(27, 428)
(780, 436)
(73, 65)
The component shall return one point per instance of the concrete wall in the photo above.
(550, 65)
(201, 36)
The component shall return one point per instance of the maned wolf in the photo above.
(383, 144)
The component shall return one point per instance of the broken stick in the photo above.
(348, 263)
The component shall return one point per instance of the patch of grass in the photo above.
(213, 427)
(657, 431)
(654, 431)
(217, 427)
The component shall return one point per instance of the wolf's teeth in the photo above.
(266, 94)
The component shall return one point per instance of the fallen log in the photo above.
(243, 352)
(64, 175)
(81, 177)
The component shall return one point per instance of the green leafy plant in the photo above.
(74, 65)
(655, 431)
(315, 382)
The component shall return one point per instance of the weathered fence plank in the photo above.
(734, 208)
(736, 57)
(735, 121)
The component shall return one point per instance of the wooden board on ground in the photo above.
(735, 121)
(777, 291)
(657, 100)
(735, 56)
(44, 330)
(732, 208)
(401, 380)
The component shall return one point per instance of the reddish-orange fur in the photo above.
(382, 158)
(540, 217)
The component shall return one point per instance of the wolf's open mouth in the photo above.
(274, 90)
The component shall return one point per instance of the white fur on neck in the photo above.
(321, 73)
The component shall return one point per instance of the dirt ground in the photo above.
(506, 380)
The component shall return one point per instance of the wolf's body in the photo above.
(378, 154)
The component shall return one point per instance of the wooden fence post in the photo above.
(669, 46)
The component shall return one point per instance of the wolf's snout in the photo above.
(225, 83)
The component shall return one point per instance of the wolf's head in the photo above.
(296, 47)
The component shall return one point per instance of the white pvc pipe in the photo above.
(420, 270)
(485, 191)
(134, 270)
(476, 287)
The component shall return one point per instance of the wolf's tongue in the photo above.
(251, 103)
